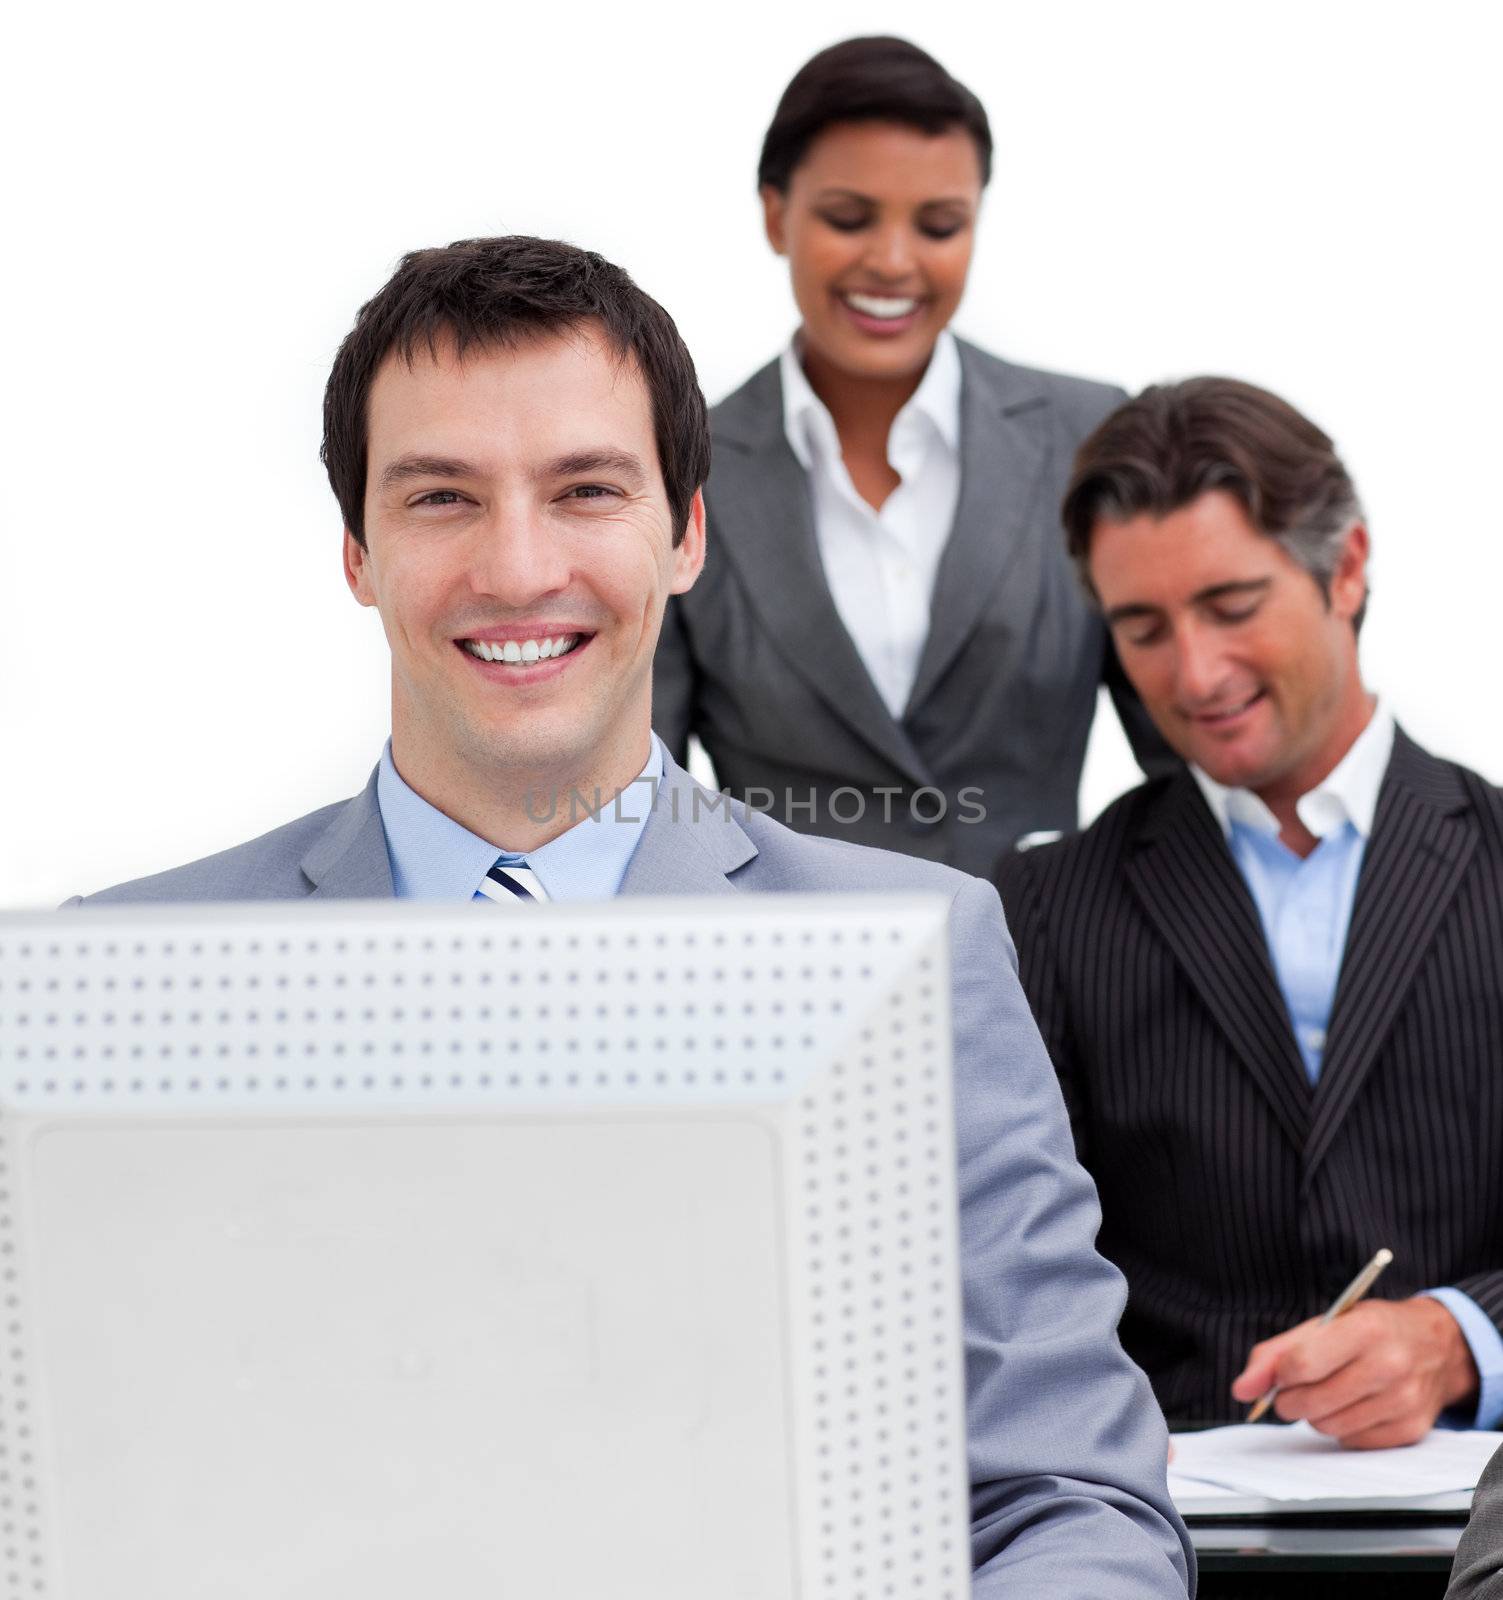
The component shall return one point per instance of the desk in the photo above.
(1325, 1559)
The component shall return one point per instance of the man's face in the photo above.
(519, 548)
(1245, 666)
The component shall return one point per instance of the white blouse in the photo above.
(880, 565)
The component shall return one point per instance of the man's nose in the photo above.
(517, 560)
(1200, 665)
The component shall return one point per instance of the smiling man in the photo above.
(1272, 984)
(521, 667)
(517, 442)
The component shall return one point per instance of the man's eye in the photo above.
(438, 497)
(590, 491)
(1236, 613)
(1145, 636)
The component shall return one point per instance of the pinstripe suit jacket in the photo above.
(1237, 1199)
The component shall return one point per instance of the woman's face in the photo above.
(878, 225)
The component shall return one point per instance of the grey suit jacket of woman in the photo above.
(756, 662)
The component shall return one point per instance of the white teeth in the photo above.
(522, 650)
(889, 308)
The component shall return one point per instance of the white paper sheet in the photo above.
(1296, 1468)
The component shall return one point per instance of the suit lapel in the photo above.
(763, 520)
(348, 860)
(1189, 887)
(690, 843)
(1003, 453)
(1423, 836)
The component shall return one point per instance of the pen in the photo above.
(1348, 1297)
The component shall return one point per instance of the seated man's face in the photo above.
(515, 508)
(1248, 670)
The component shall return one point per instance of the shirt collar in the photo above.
(433, 857)
(1349, 793)
(809, 425)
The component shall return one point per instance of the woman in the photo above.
(887, 643)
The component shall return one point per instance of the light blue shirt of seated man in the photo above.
(434, 858)
(1305, 905)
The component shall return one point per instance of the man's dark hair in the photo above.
(879, 79)
(1177, 441)
(477, 293)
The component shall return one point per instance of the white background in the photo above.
(1306, 195)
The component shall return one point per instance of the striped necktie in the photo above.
(512, 882)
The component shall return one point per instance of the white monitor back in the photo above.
(382, 1250)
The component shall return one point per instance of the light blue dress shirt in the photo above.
(435, 858)
(1305, 906)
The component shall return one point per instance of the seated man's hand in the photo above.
(1378, 1375)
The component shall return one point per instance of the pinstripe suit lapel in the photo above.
(1189, 887)
(1423, 836)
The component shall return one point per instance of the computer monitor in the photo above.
(381, 1250)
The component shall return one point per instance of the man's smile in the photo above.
(1226, 717)
(509, 656)
(524, 648)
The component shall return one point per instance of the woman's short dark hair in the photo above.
(1178, 441)
(878, 79)
(498, 292)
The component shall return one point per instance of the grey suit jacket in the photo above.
(1477, 1573)
(756, 661)
(1067, 1448)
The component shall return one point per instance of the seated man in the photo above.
(517, 442)
(1272, 984)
